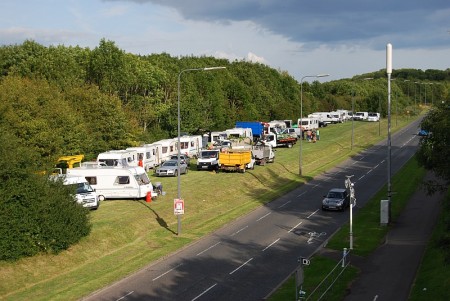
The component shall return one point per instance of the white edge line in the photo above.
(204, 292)
(271, 244)
(166, 272)
(208, 249)
(241, 266)
(292, 229)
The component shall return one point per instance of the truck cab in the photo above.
(208, 159)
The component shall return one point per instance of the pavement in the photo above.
(389, 272)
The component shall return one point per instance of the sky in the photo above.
(305, 38)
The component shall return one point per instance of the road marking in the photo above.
(301, 194)
(237, 232)
(361, 177)
(123, 297)
(292, 229)
(167, 272)
(263, 216)
(312, 213)
(376, 297)
(208, 248)
(284, 204)
(241, 266)
(204, 292)
(271, 244)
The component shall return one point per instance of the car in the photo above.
(183, 157)
(336, 199)
(423, 133)
(373, 117)
(170, 168)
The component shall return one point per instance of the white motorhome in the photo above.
(168, 148)
(145, 156)
(116, 182)
(190, 145)
(308, 123)
(119, 158)
(84, 194)
(345, 114)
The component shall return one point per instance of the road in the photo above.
(247, 259)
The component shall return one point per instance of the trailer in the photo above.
(116, 182)
(263, 153)
(279, 140)
(236, 160)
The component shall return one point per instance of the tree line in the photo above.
(64, 100)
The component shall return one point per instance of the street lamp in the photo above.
(179, 134)
(389, 73)
(301, 117)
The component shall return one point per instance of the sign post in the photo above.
(178, 206)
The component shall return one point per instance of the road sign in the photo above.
(305, 261)
(178, 206)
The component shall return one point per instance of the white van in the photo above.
(119, 158)
(84, 193)
(361, 116)
(116, 182)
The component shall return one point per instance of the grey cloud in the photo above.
(330, 22)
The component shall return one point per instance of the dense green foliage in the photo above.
(62, 100)
(37, 215)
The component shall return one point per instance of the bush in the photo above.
(37, 215)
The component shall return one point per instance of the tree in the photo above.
(434, 151)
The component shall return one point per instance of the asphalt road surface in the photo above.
(248, 258)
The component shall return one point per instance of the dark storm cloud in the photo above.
(412, 24)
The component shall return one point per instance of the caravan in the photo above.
(240, 133)
(146, 156)
(168, 148)
(190, 145)
(116, 182)
(308, 123)
(119, 158)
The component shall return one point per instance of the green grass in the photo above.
(128, 235)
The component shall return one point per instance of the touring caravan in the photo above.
(190, 145)
(308, 123)
(146, 156)
(116, 182)
(168, 148)
(119, 158)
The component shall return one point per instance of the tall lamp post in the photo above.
(301, 117)
(179, 134)
(389, 73)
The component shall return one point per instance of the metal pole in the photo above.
(179, 134)
(353, 119)
(389, 72)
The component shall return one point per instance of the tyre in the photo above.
(175, 173)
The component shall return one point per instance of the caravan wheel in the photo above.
(101, 197)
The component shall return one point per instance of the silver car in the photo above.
(170, 168)
(336, 199)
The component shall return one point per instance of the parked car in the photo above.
(423, 133)
(336, 199)
(170, 168)
(183, 158)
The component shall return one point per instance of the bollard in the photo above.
(344, 255)
(148, 198)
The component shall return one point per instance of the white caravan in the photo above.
(116, 182)
(190, 145)
(168, 148)
(119, 158)
(324, 117)
(236, 133)
(308, 123)
(145, 156)
(156, 152)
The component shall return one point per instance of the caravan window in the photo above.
(147, 155)
(122, 180)
(91, 180)
(184, 145)
(142, 179)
